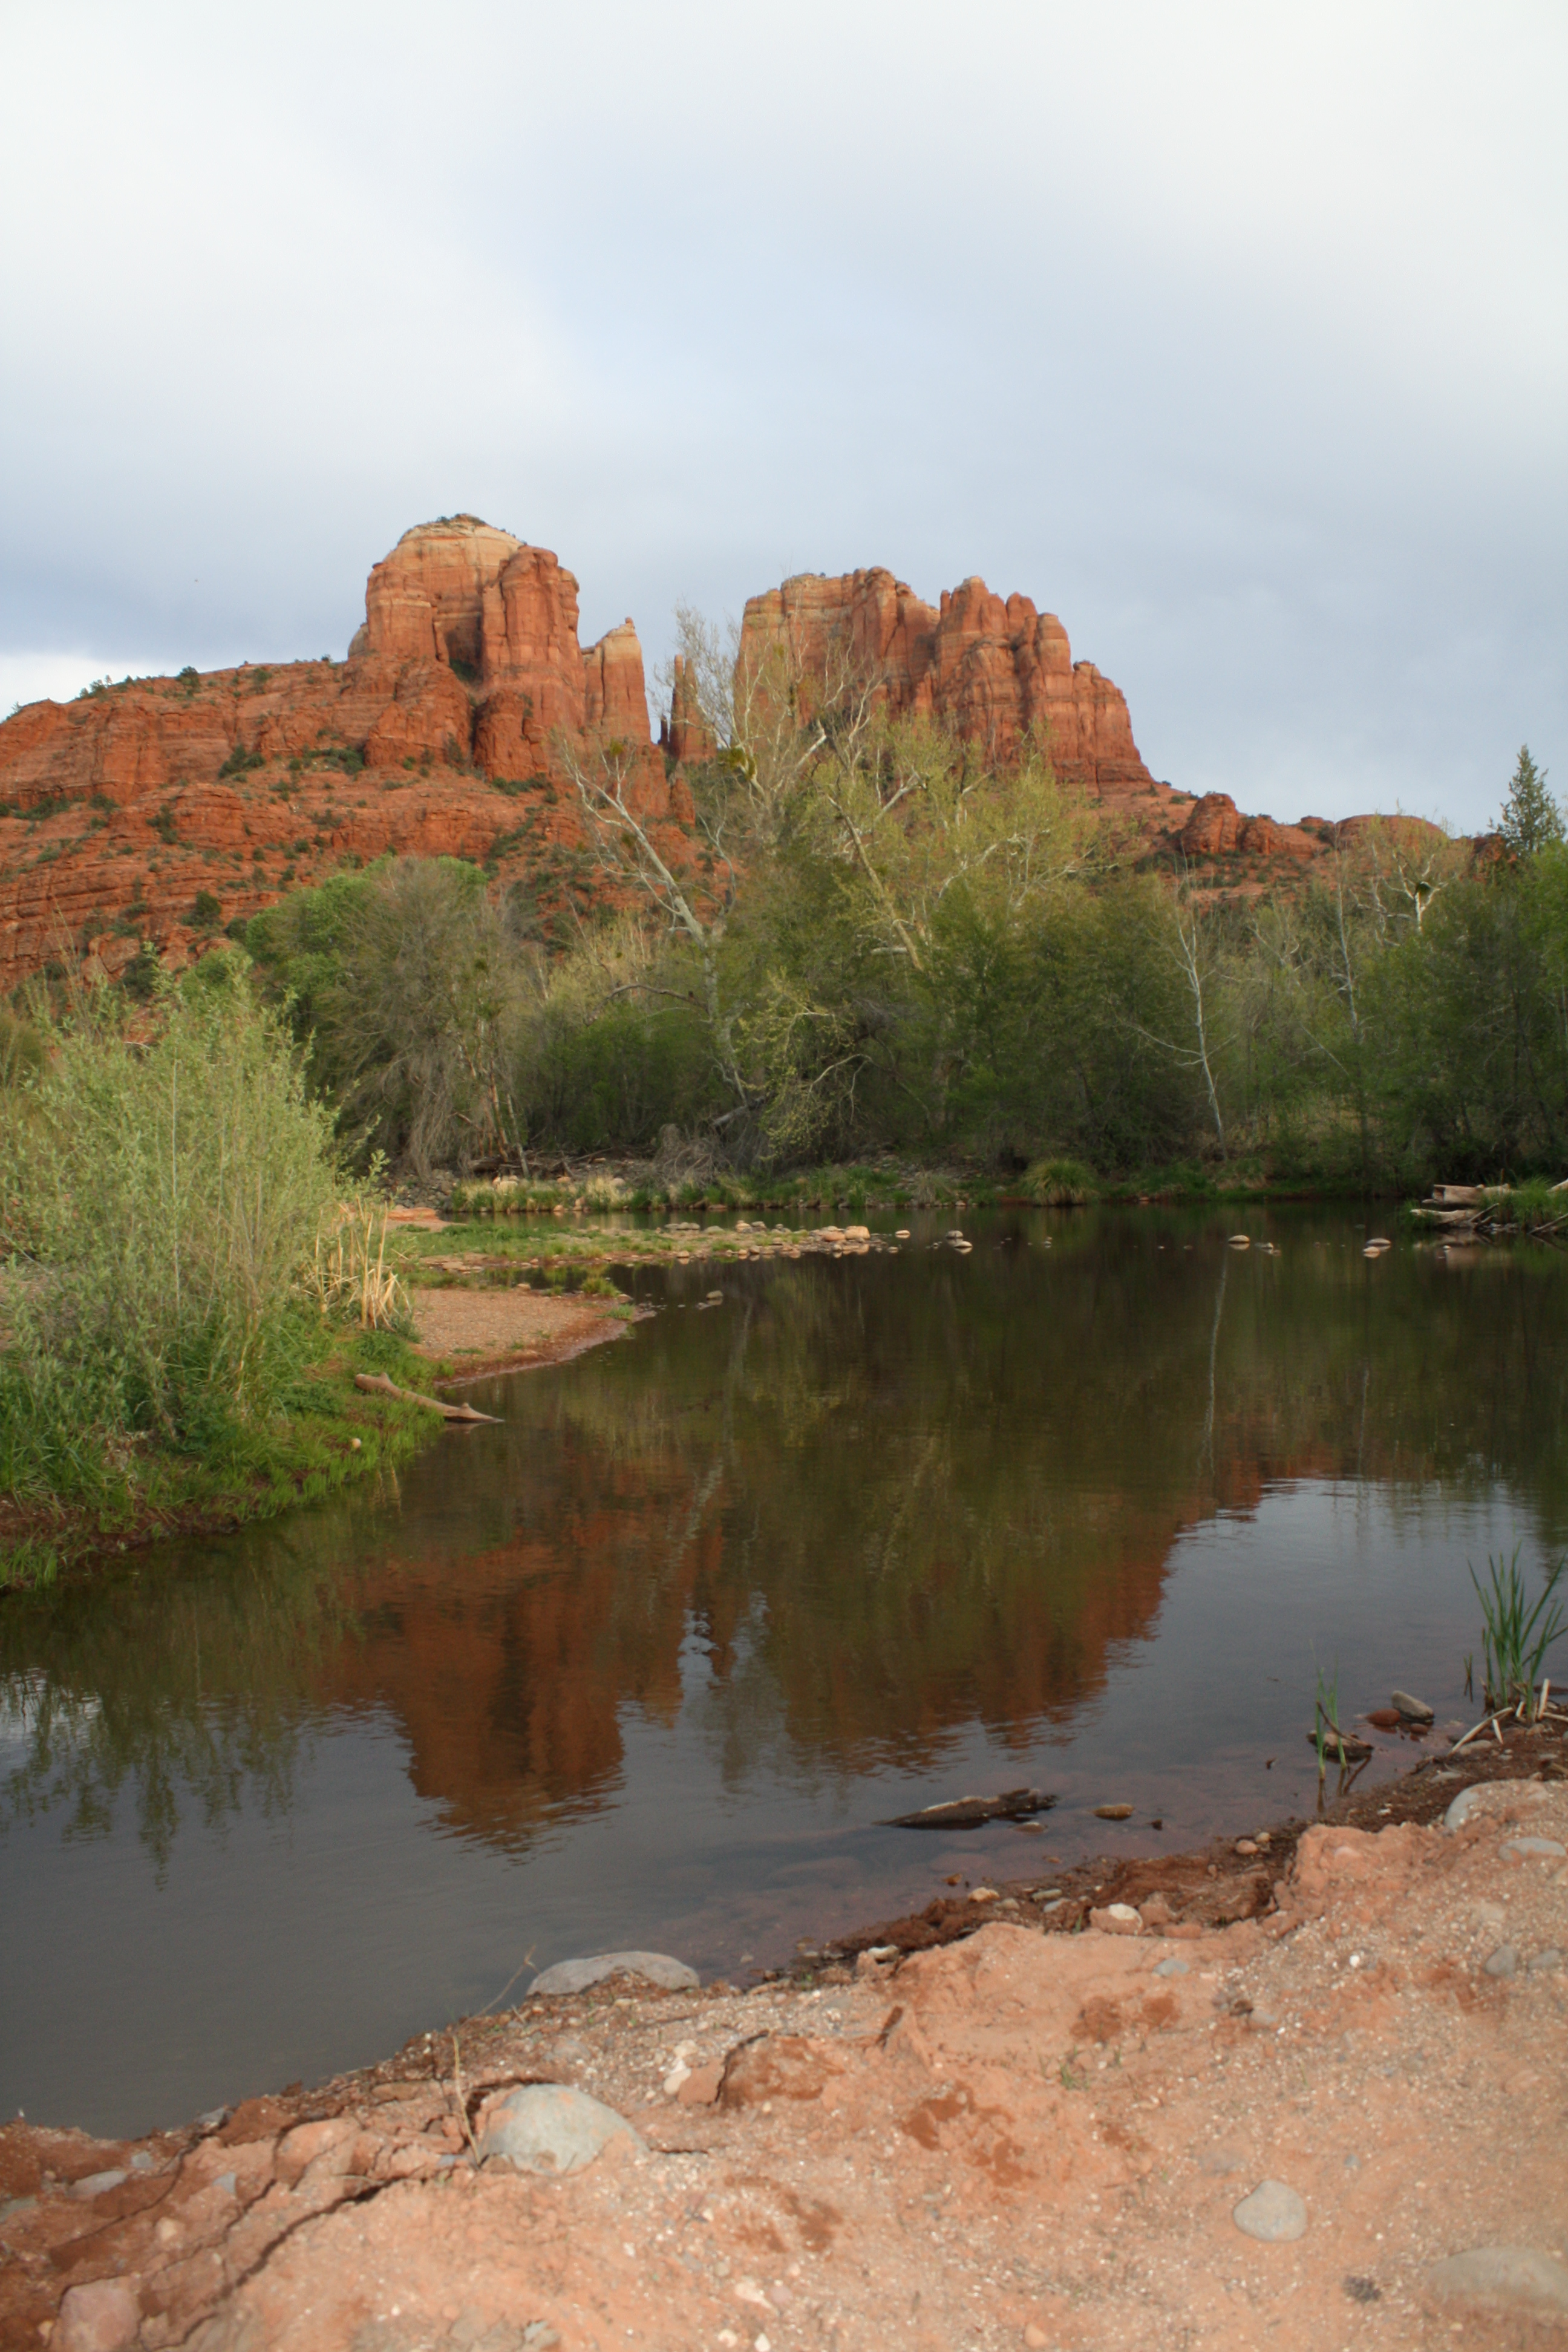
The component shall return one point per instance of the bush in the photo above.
(160, 1201)
(1060, 1183)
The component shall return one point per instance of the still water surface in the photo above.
(648, 1663)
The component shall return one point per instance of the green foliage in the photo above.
(159, 1201)
(22, 1049)
(1060, 1183)
(206, 913)
(239, 761)
(1517, 1634)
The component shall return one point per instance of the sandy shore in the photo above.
(1019, 2137)
(481, 1331)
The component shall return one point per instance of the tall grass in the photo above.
(1516, 1635)
(161, 1192)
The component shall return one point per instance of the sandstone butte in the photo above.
(165, 809)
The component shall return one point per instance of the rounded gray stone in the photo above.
(1171, 1967)
(1510, 2277)
(1464, 1805)
(1414, 1710)
(1504, 1962)
(544, 2127)
(1552, 1958)
(1521, 1846)
(655, 1968)
(1273, 2215)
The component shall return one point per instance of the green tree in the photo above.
(1531, 817)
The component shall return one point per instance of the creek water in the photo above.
(648, 1663)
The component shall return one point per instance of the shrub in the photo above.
(1060, 1183)
(159, 1202)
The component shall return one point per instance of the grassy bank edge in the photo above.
(341, 1435)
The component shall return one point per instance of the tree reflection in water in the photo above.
(866, 1505)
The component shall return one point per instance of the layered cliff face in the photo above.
(164, 808)
(998, 672)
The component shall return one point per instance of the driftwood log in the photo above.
(377, 1384)
(969, 1812)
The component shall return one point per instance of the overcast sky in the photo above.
(1235, 334)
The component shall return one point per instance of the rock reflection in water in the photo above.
(866, 1522)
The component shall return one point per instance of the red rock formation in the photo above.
(686, 734)
(118, 810)
(996, 671)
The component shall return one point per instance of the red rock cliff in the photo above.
(993, 670)
(137, 811)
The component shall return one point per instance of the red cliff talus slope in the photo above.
(164, 808)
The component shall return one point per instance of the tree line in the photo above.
(868, 937)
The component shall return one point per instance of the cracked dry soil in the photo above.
(1018, 2138)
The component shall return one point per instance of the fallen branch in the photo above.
(1486, 1724)
(377, 1384)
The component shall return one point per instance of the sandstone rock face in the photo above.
(994, 670)
(135, 812)
(686, 735)
(122, 812)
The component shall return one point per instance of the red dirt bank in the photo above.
(1015, 2139)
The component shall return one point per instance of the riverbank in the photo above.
(334, 1431)
(1287, 2094)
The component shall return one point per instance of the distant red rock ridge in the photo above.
(163, 808)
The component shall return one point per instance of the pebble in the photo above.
(1550, 1958)
(1510, 2277)
(1517, 1848)
(1171, 1967)
(1504, 1961)
(576, 1976)
(543, 2127)
(1273, 2213)
(1464, 1806)
(1414, 1710)
(1113, 1813)
(98, 2184)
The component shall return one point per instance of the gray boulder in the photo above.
(655, 1968)
(544, 2127)
(1508, 2278)
(1273, 2215)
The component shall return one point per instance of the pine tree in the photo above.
(1531, 817)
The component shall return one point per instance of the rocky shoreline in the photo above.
(1291, 2084)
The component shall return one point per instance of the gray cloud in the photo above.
(1238, 337)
